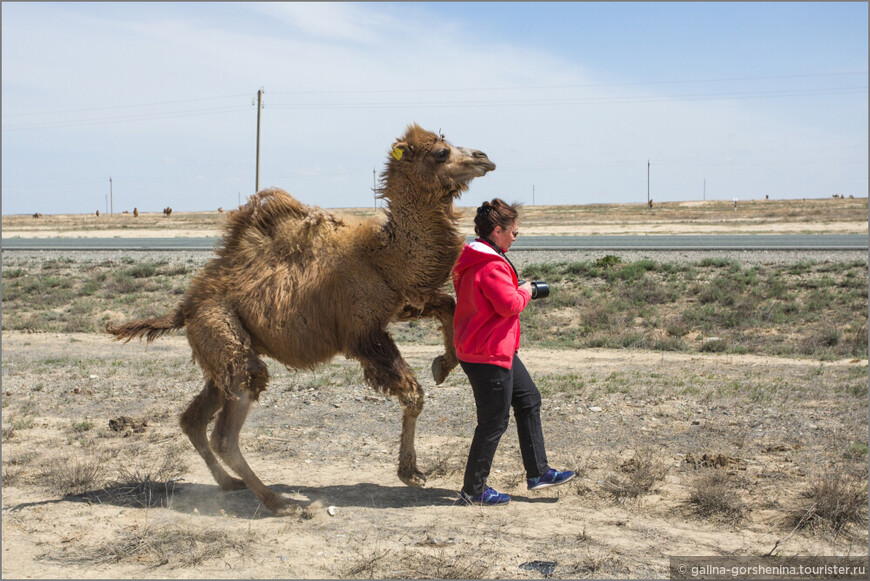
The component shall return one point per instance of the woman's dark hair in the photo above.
(495, 213)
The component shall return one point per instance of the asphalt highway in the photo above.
(553, 243)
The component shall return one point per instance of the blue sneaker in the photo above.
(489, 497)
(552, 478)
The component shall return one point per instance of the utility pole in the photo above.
(375, 187)
(259, 108)
(240, 199)
(705, 189)
(111, 197)
(533, 194)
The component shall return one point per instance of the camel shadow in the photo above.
(209, 500)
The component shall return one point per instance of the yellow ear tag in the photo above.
(397, 154)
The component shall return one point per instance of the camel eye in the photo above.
(442, 155)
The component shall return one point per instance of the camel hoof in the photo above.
(233, 484)
(291, 509)
(416, 479)
(288, 509)
(440, 370)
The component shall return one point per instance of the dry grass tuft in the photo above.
(713, 492)
(449, 462)
(596, 563)
(833, 500)
(146, 487)
(13, 468)
(73, 476)
(424, 563)
(442, 563)
(638, 476)
(8, 433)
(171, 546)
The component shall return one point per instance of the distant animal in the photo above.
(167, 210)
(301, 285)
(98, 213)
(650, 203)
(136, 212)
(37, 215)
(220, 210)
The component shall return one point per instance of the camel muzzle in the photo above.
(479, 161)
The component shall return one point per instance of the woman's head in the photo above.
(497, 221)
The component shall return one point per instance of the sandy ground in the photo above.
(326, 439)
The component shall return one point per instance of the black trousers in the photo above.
(496, 390)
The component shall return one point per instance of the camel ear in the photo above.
(400, 151)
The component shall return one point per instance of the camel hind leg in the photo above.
(222, 348)
(194, 423)
(225, 438)
(440, 306)
(386, 370)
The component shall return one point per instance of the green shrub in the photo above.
(607, 261)
(719, 262)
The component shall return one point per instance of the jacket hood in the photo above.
(474, 254)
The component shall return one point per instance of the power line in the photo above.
(572, 86)
(125, 119)
(443, 90)
(575, 100)
(115, 107)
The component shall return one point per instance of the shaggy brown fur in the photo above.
(300, 285)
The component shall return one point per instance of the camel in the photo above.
(167, 210)
(301, 285)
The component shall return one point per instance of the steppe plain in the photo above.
(692, 433)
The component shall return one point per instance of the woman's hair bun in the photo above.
(492, 214)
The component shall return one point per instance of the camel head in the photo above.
(427, 161)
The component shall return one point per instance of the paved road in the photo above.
(555, 243)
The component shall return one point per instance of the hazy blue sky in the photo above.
(569, 98)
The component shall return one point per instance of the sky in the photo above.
(576, 103)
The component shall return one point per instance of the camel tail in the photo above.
(149, 328)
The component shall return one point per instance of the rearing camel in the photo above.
(300, 285)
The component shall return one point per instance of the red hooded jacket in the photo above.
(486, 323)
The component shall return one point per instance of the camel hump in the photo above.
(270, 203)
(275, 214)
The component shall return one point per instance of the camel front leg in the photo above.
(385, 370)
(412, 405)
(438, 305)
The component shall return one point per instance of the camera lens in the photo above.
(540, 289)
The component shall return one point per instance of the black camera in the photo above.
(540, 289)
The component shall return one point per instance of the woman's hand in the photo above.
(527, 285)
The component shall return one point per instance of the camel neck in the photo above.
(425, 240)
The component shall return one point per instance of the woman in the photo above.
(486, 334)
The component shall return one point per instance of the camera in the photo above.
(540, 289)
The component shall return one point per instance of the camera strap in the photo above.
(500, 253)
